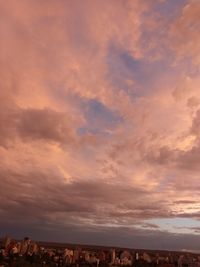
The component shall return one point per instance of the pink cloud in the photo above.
(53, 61)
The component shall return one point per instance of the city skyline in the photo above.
(100, 122)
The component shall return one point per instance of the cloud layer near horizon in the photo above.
(100, 120)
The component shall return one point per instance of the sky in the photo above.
(100, 122)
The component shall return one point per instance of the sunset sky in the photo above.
(100, 122)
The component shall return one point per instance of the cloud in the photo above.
(184, 32)
(50, 125)
(99, 119)
(36, 124)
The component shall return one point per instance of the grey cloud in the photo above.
(196, 229)
(45, 124)
(190, 159)
(35, 124)
(196, 124)
(161, 156)
(185, 202)
(193, 102)
(110, 236)
(150, 225)
(43, 197)
(195, 215)
(8, 121)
